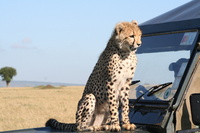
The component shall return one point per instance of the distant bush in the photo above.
(48, 87)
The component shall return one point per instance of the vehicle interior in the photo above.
(162, 61)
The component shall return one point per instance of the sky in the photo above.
(61, 40)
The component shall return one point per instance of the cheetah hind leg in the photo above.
(85, 113)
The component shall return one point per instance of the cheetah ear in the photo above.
(119, 28)
(134, 22)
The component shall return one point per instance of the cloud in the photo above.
(19, 46)
(26, 40)
(23, 44)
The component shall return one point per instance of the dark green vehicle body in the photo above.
(170, 53)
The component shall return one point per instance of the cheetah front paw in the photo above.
(128, 126)
(112, 128)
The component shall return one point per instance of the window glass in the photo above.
(162, 59)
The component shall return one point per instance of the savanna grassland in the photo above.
(30, 107)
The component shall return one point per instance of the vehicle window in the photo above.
(162, 59)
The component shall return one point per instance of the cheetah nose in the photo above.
(138, 45)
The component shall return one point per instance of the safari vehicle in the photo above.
(168, 67)
(167, 98)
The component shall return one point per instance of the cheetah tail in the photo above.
(53, 123)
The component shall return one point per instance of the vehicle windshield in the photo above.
(162, 59)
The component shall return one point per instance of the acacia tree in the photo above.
(7, 74)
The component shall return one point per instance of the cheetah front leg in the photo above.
(124, 99)
(113, 104)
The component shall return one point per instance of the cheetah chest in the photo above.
(126, 71)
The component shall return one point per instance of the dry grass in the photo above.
(27, 107)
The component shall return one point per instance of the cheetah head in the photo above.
(128, 36)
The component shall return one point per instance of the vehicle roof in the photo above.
(185, 17)
(187, 11)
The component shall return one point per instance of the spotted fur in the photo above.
(108, 86)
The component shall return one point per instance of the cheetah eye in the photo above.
(132, 36)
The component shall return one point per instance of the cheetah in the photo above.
(108, 86)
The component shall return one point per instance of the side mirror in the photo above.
(195, 108)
